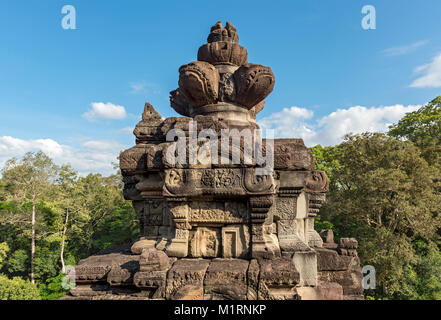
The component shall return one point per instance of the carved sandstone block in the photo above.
(350, 280)
(306, 264)
(223, 52)
(90, 290)
(152, 283)
(185, 279)
(330, 260)
(133, 159)
(95, 268)
(142, 244)
(253, 279)
(219, 33)
(323, 291)
(177, 246)
(179, 103)
(122, 275)
(285, 208)
(153, 260)
(254, 83)
(205, 242)
(199, 83)
(317, 182)
(278, 278)
(348, 243)
(235, 241)
(292, 154)
(226, 279)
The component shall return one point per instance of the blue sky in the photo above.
(332, 76)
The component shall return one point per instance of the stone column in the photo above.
(177, 245)
(261, 247)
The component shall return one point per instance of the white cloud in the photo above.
(102, 145)
(287, 121)
(105, 110)
(330, 129)
(431, 74)
(95, 156)
(398, 51)
(143, 87)
(126, 130)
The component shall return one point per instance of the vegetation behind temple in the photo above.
(385, 191)
(87, 214)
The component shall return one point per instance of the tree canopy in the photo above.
(64, 216)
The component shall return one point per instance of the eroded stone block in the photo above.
(122, 275)
(253, 279)
(330, 260)
(323, 291)
(226, 279)
(90, 290)
(278, 278)
(185, 279)
(205, 242)
(95, 268)
(306, 264)
(235, 241)
(350, 280)
(152, 283)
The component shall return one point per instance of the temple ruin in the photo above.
(214, 228)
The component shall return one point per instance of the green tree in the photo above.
(384, 194)
(18, 263)
(325, 158)
(53, 289)
(4, 249)
(17, 289)
(67, 217)
(67, 197)
(103, 217)
(425, 122)
(423, 127)
(28, 182)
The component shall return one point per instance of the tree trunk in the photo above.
(33, 243)
(63, 268)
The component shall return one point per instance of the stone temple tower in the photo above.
(223, 214)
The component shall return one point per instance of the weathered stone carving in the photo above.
(226, 279)
(223, 52)
(278, 279)
(228, 212)
(254, 83)
(218, 229)
(292, 154)
(227, 34)
(185, 280)
(179, 103)
(317, 182)
(199, 83)
(205, 242)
